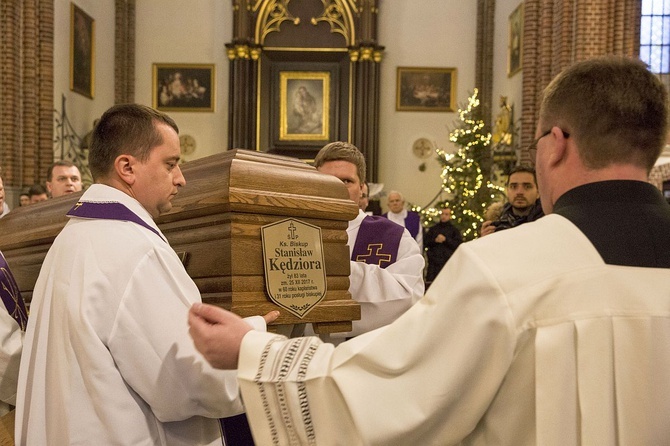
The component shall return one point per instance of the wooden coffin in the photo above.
(215, 227)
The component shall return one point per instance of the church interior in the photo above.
(257, 88)
(247, 57)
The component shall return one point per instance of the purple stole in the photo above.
(11, 296)
(412, 222)
(377, 241)
(109, 210)
(236, 430)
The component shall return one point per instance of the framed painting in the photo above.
(426, 89)
(82, 52)
(515, 45)
(304, 105)
(184, 87)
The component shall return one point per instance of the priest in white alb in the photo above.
(556, 332)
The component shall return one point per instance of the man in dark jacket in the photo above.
(523, 202)
(441, 241)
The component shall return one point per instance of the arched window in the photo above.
(655, 37)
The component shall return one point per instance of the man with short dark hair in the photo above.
(386, 267)
(523, 201)
(37, 193)
(107, 357)
(63, 178)
(556, 332)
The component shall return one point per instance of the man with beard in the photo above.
(552, 333)
(523, 202)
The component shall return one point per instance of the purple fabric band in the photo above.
(413, 223)
(108, 211)
(377, 241)
(11, 296)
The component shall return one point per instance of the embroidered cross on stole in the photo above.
(377, 241)
(11, 297)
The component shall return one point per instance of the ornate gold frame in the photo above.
(203, 76)
(435, 93)
(515, 44)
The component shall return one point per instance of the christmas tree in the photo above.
(466, 174)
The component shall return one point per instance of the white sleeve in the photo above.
(11, 345)
(428, 378)
(256, 322)
(386, 293)
(156, 356)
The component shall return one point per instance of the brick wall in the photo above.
(26, 96)
(124, 52)
(558, 33)
(484, 56)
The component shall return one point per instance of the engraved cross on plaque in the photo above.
(292, 229)
(374, 257)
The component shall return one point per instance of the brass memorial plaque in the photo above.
(295, 275)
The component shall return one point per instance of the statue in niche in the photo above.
(503, 142)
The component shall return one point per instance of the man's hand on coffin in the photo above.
(218, 333)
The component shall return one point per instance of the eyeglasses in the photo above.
(532, 147)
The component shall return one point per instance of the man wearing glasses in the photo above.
(556, 332)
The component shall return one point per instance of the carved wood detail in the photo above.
(338, 36)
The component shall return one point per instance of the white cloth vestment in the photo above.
(384, 293)
(108, 358)
(399, 218)
(571, 352)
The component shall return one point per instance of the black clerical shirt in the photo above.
(628, 222)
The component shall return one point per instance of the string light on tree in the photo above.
(464, 173)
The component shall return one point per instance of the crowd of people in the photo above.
(551, 328)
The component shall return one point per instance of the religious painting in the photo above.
(184, 87)
(515, 46)
(426, 89)
(304, 105)
(82, 52)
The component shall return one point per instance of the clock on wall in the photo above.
(187, 143)
(423, 148)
